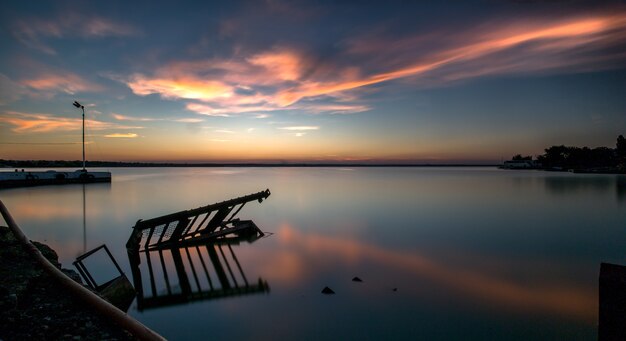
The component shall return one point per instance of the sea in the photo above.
(432, 253)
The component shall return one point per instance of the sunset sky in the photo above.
(307, 81)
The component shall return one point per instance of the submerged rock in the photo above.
(328, 291)
(356, 279)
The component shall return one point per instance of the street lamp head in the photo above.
(76, 104)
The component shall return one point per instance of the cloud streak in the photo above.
(34, 32)
(122, 135)
(285, 78)
(38, 123)
(67, 82)
(300, 128)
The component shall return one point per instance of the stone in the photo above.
(328, 291)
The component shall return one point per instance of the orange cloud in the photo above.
(547, 37)
(67, 82)
(120, 117)
(286, 65)
(188, 88)
(35, 123)
(278, 79)
(122, 135)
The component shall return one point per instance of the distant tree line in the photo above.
(585, 158)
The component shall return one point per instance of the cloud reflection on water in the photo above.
(293, 263)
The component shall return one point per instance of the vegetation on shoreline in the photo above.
(582, 159)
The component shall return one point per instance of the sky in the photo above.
(294, 81)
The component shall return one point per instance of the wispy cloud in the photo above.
(283, 64)
(55, 82)
(120, 117)
(224, 131)
(189, 120)
(286, 78)
(547, 42)
(34, 32)
(300, 128)
(337, 109)
(188, 88)
(10, 91)
(122, 135)
(38, 122)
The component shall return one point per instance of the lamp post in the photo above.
(78, 105)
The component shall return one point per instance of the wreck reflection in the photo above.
(178, 275)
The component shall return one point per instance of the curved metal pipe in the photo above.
(105, 308)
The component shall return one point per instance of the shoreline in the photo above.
(33, 306)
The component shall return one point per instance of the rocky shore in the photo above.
(34, 307)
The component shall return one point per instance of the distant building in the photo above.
(521, 164)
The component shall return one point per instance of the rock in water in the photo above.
(328, 291)
(356, 279)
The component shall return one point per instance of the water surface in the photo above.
(444, 253)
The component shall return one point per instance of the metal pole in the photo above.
(84, 224)
(83, 107)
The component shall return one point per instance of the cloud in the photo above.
(120, 117)
(189, 87)
(287, 78)
(216, 111)
(189, 120)
(286, 65)
(37, 122)
(300, 128)
(548, 42)
(122, 135)
(10, 91)
(32, 32)
(66, 82)
(224, 131)
(338, 109)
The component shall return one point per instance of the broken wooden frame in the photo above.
(193, 240)
(197, 225)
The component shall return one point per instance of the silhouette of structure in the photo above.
(612, 302)
(202, 224)
(188, 255)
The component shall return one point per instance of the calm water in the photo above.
(473, 253)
